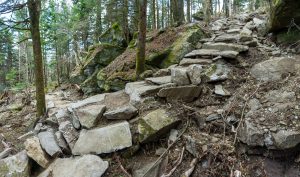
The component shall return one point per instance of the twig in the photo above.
(122, 168)
(178, 162)
(191, 169)
(163, 154)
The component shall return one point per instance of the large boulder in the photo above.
(155, 125)
(17, 165)
(103, 140)
(84, 166)
(282, 14)
(274, 69)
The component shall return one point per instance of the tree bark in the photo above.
(188, 11)
(157, 16)
(34, 7)
(141, 50)
(153, 14)
(207, 11)
(177, 9)
(98, 29)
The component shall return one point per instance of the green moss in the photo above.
(288, 37)
(211, 70)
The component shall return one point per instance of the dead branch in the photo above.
(191, 169)
(177, 163)
(121, 166)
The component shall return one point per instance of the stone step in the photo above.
(191, 61)
(225, 47)
(103, 140)
(212, 53)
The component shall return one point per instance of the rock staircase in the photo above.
(111, 122)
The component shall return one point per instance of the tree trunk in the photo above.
(188, 11)
(163, 14)
(125, 21)
(178, 14)
(226, 7)
(98, 29)
(34, 7)
(140, 58)
(153, 14)
(157, 16)
(207, 11)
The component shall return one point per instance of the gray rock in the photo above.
(155, 125)
(217, 72)
(50, 105)
(285, 139)
(274, 69)
(277, 96)
(250, 134)
(245, 38)
(190, 61)
(35, 151)
(14, 166)
(219, 90)
(252, 43)
(246, 31)
(227, 38)
(69, 132)
(104, 140)
(162, 72)
(89, 100)
(225, 46)
(213, 117)
(254, 104)
(61, 141)
(84, 166)
(195, 72)
(179, 76)
(49, 144)
(173, 136)
(233, 31)
(188, 92)
(89, 115)
(212, 53)
(62, 115)
(159, 80)
(122, 113)
(140, 90)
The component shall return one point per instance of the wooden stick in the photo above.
(178, 162)
(191, 169)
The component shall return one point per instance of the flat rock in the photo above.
(90, 100)
(35, 151)
(233, 31)
(61, 141)
(84, 166)
(216, 72)
(14, 166)
(227, 38)
(159, 80)
(246, 31)
(69, 132)
(49, 143)
(103, 140)
(62, 115)
(251, 134)
(219, 90)
(195, 73)
(225, 46)
(155, 125)
(274, 69)
(191, 61)
(122, 113)
(188, 92)
(285, 139)
(89, 115)
(179, 76)
(212, 53)
(138, 91)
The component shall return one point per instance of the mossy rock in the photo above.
(288, 37)
(114, 35)
(198, 16)
(183, 45)
(282, 14)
